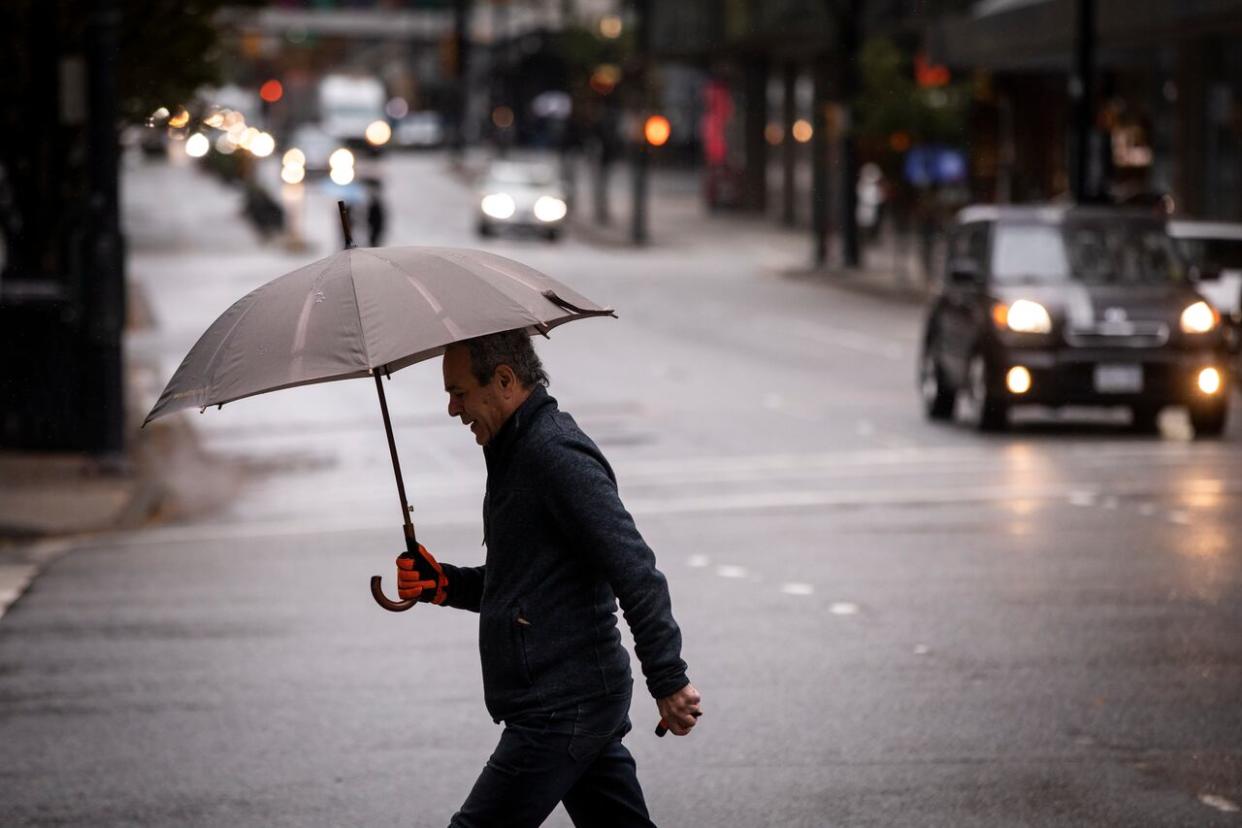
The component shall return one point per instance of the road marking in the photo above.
(1082, 497)
(731, 572)
(797, 589)
(1219, 803)
(843, 608)
(697, 561)
(653, 506)
(921, 649)
(1179, 517)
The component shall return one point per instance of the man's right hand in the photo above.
(421, 578)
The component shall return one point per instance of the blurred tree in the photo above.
(169, 49)
(895, 112)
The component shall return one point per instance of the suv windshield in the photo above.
(1105, 252)
(1219, 254)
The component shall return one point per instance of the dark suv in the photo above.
(1070, 306)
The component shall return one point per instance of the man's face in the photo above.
(482, 407)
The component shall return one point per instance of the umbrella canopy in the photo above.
(363, 310)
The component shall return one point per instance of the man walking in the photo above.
(561, 552)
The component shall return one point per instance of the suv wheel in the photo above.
(938, 394)
(988, 411)
(1209, 419)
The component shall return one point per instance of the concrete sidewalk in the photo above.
(50, 499)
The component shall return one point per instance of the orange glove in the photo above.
(421, 578)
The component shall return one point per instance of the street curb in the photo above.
(855, 281)
(16, 576)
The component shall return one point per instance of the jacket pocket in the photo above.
(522, 631)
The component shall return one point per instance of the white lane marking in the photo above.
(797, 589)
(1219, 803)
(707, 504)
(843, 608)
(1082, 497)
(921, 649)
(731, 571)
(1179, 517)
(697, 561)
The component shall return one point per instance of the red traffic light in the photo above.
(271, 91)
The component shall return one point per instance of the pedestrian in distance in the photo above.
(377, 213)
(562, 551)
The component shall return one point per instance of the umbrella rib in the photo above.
(207, 369)
(443, 317)
(362, 331)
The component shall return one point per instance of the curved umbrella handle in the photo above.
(377, 592)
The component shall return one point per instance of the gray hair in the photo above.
(512, 348)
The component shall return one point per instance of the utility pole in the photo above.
(104, 287)
(756, 143)
(819, 162)
(849, 25)
(789, 111)
(1082, 92)
(641, 101)
(461, 59)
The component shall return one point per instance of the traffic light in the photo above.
(656, 130)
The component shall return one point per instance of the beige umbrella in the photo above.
(365, 312)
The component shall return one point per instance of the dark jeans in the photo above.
(573, 755)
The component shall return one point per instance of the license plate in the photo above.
(1118, 379)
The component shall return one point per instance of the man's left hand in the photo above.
(681, 710)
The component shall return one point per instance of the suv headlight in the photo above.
(1023, 316)
(1199, 318)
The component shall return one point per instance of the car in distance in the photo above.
(1214, 248)
(1062, 305)
(419, 130)
(522, 195)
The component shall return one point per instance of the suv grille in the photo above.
(1119, 335)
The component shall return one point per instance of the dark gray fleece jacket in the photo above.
(561, 551)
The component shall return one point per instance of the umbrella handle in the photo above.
(377, 592)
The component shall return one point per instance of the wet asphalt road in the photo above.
(892, 623)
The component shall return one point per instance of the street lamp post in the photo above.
(104, 294)
(638, 142)
(1082, 91)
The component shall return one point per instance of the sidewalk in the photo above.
(47, 500)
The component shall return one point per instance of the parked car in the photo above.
(420, 130)
(1215, 250)
(522, 195)
(1063, 306)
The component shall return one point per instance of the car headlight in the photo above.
(499, 205)
(548, 208)
(1199, 318)
(1023, 316)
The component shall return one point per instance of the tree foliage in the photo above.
(891, 102)
(168, 49)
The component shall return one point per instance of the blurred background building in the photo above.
(863, 122)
